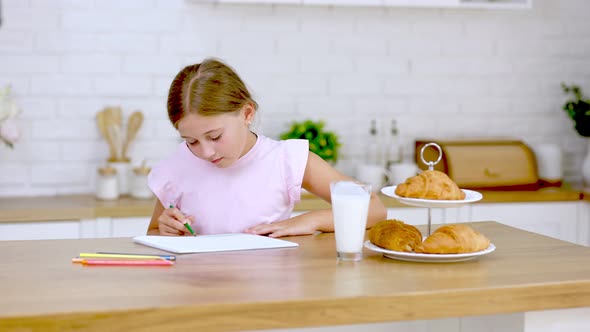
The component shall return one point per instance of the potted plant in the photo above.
(323, 143)
(578, 109)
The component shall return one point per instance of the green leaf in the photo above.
(324, 144)
(578, 109)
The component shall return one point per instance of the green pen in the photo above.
(186, 224)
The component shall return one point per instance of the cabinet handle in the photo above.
(490, 174)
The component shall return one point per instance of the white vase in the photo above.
(586, 166)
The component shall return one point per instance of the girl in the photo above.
(226, 179)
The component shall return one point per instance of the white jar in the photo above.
(549, 161)
(107, 184)
(371, 174)
(123, 174)
(140, 188)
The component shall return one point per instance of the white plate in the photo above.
(470, 197)
(428, 258)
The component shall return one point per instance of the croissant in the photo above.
(395, 235)
(453, 239)
(430, 184)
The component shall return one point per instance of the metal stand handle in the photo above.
(430, 167)
(431, 163)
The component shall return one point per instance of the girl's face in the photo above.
(220, 139)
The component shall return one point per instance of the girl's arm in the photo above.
(153, 227)
(316, 179)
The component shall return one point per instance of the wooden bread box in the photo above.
(484, 164)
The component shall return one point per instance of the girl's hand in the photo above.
(283, 228)
(171, 222)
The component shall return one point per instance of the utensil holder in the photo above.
(123, 174)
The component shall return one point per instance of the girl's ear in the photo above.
(249, 112)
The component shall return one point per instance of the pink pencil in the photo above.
(161, 262)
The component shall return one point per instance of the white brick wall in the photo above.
(439, 72)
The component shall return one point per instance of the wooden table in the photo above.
(40, 289)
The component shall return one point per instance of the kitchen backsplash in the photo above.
(442, 73)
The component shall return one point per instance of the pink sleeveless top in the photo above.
(260, 187)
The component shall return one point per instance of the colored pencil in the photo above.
(121, 262)
(186, 224)
(96, 255)
(168, 257)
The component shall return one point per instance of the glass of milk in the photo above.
(350, 207)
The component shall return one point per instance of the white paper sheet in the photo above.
(212, 243)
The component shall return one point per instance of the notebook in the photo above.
(212, 243)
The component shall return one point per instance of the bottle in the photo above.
(107, 187)
(394, 147)
(373, 155)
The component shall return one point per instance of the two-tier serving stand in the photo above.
(471, 196)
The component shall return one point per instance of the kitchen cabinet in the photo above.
(74, 229)
(568, 221)
(565, 220)
(457, 215)
(409, 215)
(129, 227)
(419, 216)
(63, 229)
(416, 216)
(555, 219)
(480, 4)
(95, 228)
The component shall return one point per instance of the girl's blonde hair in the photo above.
(207, 88)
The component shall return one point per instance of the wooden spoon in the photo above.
(102, 122)
(116, 116)
(133, 124)
(115, 136)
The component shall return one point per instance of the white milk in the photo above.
(350, 206)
